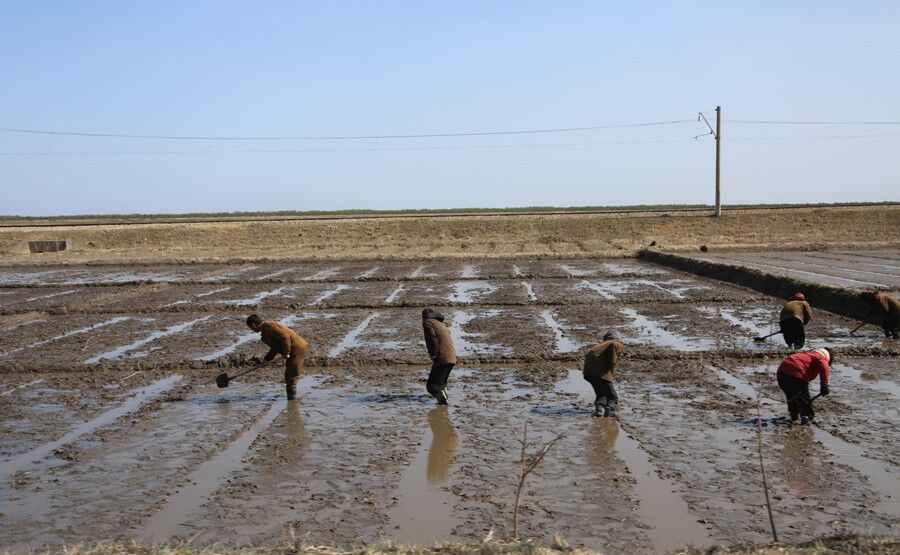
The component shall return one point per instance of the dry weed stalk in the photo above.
(762, 468)
(526, 466)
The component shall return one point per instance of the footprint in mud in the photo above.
(210, 399)
(772, 421)
(390, 398)
(552, 410)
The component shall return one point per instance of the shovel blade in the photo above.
(222, 380)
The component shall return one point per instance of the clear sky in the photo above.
(335, 68)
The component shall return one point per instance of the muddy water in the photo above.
(882, 477)
(563, 343)
(424, 513)
(207, 478)
(672, 524)
(654, 332)
(139, 397)
(121, 350)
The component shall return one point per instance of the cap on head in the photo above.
(431, 314)
(831, 355)
(798, 296)
(254, 320)
(612, 335)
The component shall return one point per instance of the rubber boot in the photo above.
(291, 390)
(806, 420)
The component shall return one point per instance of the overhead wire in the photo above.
(341, 137)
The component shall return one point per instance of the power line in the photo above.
(341, 137)
(377, 149)
(765, 122)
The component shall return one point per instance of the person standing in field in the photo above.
(885, 308)
(794, 317)
(599, 363)
(441, 351)
(283, 341)
(794, 375)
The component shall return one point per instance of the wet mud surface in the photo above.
(112, 427)
(859, 270)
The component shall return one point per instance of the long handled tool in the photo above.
(764, 337)
(865, 321)
(223, 379)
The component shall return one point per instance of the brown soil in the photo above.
(460, 236)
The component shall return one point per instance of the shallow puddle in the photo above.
(424, 510)
(563, 344)
(464, 341)
(671, 522)
(138, 398)
(658, 335)
(328, 293)
(206, 479)
(469, 291)
(171, 330)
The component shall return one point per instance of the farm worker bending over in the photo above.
(794, 317)
(886, 308)
(599, 363)
(794, 375)
(440, 349)
(285, 342)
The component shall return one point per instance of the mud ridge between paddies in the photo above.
(422, 237)
(853, 544)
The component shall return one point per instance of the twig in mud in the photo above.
(762, 467)
(526, 466)
(86, 343)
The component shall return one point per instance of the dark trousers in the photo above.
(793, 332)
(437, 378)
(605, 393)
(797, 393)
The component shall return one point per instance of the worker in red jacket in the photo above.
(794, 375)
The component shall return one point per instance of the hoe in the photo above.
(222, 380)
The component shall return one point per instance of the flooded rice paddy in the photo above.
(112, 427)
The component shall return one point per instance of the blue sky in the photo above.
(378, 67)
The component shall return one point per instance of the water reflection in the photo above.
(603, 439)
(444, 443)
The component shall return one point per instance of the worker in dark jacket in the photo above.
(599, 363)
(794, 317)
(283, 341)
(886, 309)
(440, 349)
(794, 375)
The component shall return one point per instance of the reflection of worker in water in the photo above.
(599, 363)
(440, 349)
(794, 375)
(285, 342)
(794, 317)
(886, 310)
(443, 445)
(603, 439)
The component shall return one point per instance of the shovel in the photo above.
(223, 379)
(764, 337)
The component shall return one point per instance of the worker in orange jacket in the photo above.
(283, 341)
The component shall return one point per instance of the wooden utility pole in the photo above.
(718, 161)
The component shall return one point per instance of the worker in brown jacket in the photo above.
(599, 363)
(283, 341)
(440, 349)
(794, 317)
(885, 308)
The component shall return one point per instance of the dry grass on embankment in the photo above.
(845, 544)
(535, 235)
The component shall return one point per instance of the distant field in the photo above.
(488, 235)
(99, 219)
